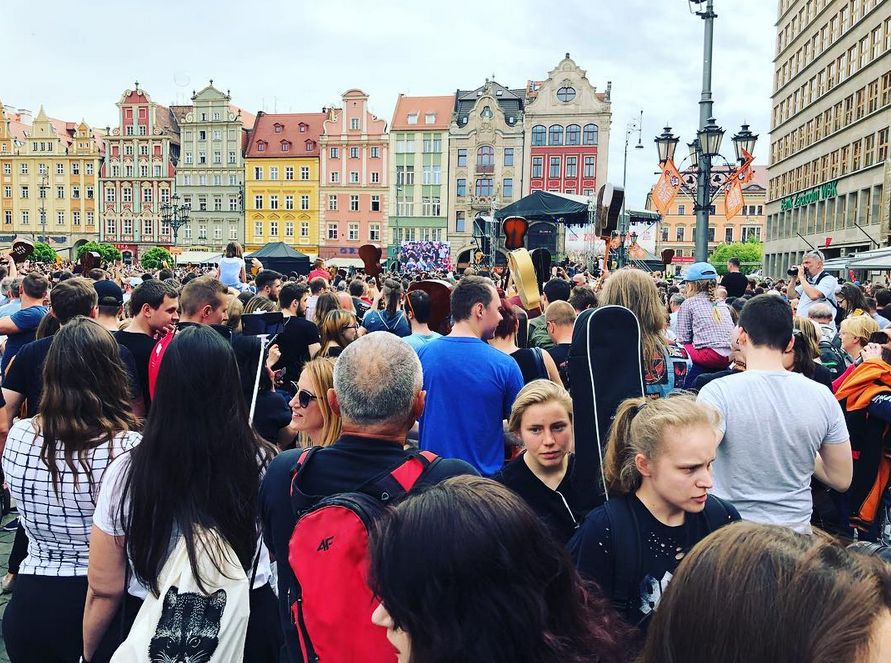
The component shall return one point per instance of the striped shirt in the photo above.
(697, 323)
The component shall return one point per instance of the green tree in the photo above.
(751, 251)
(154, 257)
(43, 252)
(107, 252)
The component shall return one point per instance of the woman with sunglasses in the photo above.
(338, 330)
(311, 415)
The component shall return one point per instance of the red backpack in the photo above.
(328, 553)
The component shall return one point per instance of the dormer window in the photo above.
(412, 118)
(278, 127)
(309, 145)
(430, 118)
(302, 126)
(486, 113)
(286, 146)
(261, 146)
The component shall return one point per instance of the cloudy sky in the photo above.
(283, 56)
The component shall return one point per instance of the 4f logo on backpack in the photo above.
(325, 544)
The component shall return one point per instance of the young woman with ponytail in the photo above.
(704, 323)
(658, 471)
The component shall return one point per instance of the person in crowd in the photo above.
(559, 321)
(111, 304)
(720, 293)
(854, 333)
(674, 305)
(737, 365)
(319, 271)
(534, 363)
(311, 415)
(704, 324)
(259, 304)
(851, 302)
(268, 282)
(54, 462)
(472, 533)
(872, 309)
(757, 469)
(12, 289)
(344, 300)
(811, 283)
(198, 467)
(154, 312)
(233, 314)
(317, 286)
(555, 290)
(20, 327)
(378, 396)
(823, 316)
(357, 293)
(665, 365)
(338, 330)
(541, 418)
(233, 272)
(272, 415)
(658, 473)
(582, 297)
(784, 596)
(417, 304)
(810, 350)
(883, 302)
(799, 358)
(392, 318)
(734, 281)
(299, 341)
(326, 303)
(467, 422)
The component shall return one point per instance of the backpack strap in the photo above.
(539, 362)
(626, 554)
(715, 513)
(298, 498)
(400, 480)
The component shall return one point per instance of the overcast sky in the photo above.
(286, 56)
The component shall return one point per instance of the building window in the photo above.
(459, 222)
(679, 234)
(354, 153)
(304, 229)
(664, 233)
(148, 230)
(261, 146)
(90, 218)
(258, 229)
(127, 194)
(711, 234)
(376, 152)
(485, 158)
(554, 167)
(289, 173)
(273, 228)
(233, 204)
(539, 135)
(89, 169)
(289, 202)
(555, 134)
(217, 232)
(682, 209)
(304, 172)
(258, 172)
(751, 231)
(461, 187)
(728, 234)
(537, 166)
(23, 169)
(508, 156)
(507, 187)
(335, 177)
(354, 177)
(573, 134)
(590, 134)
(589, 167)
(60, 218)
(304, 202)
(75, 168)
(572, 167)
(462, 159)
(289, 228)
(484, 186)
(374, 232)
(7, 217)
(60, 192)
(273, 202)
(375, 203)
(147, 196)
(332, 202)
(334, 152)
(273, 172)
(354, 122)
(375, 178)
(109, 195)
(233, 232)
(258, 202)
(232, 157)
(354, 203)
(332, 231)
(353, 231)
(566, 94)
(26, 219)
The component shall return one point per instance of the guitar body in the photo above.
(371, 257)
(89, 260)
(522, 272)
(514, 229)
(440, 303)
(21, 249)
(605, 368)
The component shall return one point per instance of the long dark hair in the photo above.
(487, 559)
(85, 400)
(197, 467)
(854, 299)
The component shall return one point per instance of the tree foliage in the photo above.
(154, 258)
(107, 252)
(43, 252)
(751, 251)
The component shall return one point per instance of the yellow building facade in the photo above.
(281, 198)
(49, 180)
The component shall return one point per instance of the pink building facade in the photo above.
(353, 181)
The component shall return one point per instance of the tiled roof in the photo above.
(247, 118)
(165, 120)
(265, 131)
(510, 101)
(441, 107)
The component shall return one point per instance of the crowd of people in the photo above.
(228, 463)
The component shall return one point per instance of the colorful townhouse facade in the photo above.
(419, 172)
(137, 175)
(353, 180)
(281, 162)
(49, 180)
(210, 174)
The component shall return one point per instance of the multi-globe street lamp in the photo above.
(175, 215)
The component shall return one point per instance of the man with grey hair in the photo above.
(11, 287)
(377, 394)
(811, 284)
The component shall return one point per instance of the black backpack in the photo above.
(832, 356)
(626, 549)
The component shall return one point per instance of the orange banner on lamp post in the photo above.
(667, 187)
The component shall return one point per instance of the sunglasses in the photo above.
(304, 398)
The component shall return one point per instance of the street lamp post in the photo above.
(43, 189)
(630, 128)
(175, 215)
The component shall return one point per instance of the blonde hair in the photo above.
(321, 373)
(861, 326)
(259, 304)
(560, 313)
(331, 329)
(639, 428)
(808, 330)
(537, 392)
(635, 290)
(236, 309)
(708, 285)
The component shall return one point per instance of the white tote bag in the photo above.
(184, 623)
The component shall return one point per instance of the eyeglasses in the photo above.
(304, 398)
(352, 326)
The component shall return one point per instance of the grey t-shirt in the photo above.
(774, 423)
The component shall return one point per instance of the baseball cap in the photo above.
(701, 271)
(110, 293)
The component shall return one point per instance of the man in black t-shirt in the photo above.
(357, 291)
(559, 320)
(154, 309)
(299, 341)
(734, 281)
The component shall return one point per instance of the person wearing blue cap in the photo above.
(704, 323)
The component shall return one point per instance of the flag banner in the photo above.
(667, 187)
(733, 199)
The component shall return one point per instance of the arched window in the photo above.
(486, 112)
(485, 156)
(590, 137)
(573, 135)
(566, 94)
(538, 135)
(555, 135)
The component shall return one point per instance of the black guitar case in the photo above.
(605, 368)
(522, 340)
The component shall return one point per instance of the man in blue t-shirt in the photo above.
(21, 326)
(470, 385)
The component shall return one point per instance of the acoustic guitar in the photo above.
(440, 303)
(21, 249)
(514, 229)
(522, 274)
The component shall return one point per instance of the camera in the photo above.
(792, 271)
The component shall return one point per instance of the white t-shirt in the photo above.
(58, 527)
(774, 423)
(230, 271)
(107, 518)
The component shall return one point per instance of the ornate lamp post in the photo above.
(175, 215)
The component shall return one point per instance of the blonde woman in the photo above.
(855, 332)
(541, 418)
(338, 330)
(665, 364)
(311, 415)
(658, 471)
